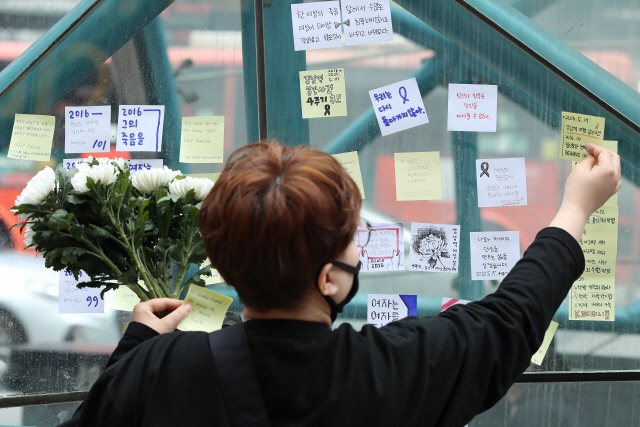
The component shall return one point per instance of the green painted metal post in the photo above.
(160, 86)
(283, 64)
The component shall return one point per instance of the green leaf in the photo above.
(59, 220)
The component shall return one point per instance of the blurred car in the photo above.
(29, 308)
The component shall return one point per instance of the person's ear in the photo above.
(325, 282)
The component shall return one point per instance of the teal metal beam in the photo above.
(283, 64)
(365, 129)
(549, 70)
(73, 59)
(247, 22)
(161, 89)
(531, 8)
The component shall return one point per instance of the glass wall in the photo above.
(197, 58)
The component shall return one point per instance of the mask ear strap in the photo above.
(348, 268)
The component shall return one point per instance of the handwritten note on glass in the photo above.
(398, 106)
(140, 127)
(599, 246)
(32, 137)
(381, 247)
(202, 139)
(493, 254)
(366, 21)
(418, 176)
(87, 129)
(207, 310)
(351, 164)
(135, 165)
(316, 25)
(386, 308)
(434, 247)
(593, 297)
(501, 182)
(74, 300)
(124, 299)
(322, 93)
(472, 108)
(538, 356)
(605, 217)
(577, 130)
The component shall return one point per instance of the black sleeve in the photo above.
(466, 358)
(135, 334)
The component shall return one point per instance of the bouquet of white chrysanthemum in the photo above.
(120, 229)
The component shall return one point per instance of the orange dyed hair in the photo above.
(275, 216)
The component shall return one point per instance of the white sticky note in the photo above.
(501, 182)
(316, 25)
(384, 249)
(472, 108)
(398, 106)
(538, 357)
(434, 247)
(386, 308)
(135, 165)
(140, 127)
(493, 254)
(448, 302)
(87, 129)
(74, 300)
(366, 21)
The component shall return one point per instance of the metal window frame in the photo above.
(500, 19)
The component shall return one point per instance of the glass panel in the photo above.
(38, 415)
(604, 32)
(190, 60)
(565, 404)
(526, 127)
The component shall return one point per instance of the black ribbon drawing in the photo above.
(404, 97)
(327, 109)
(484, 166)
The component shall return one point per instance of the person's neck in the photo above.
(312, 309)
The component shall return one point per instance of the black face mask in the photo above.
(335, 307)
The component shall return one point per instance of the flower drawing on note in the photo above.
(434, 247)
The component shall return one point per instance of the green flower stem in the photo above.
(184, 265)
(132, 252)
(139, 292)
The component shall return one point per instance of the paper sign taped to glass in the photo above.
(434, 247)
(381, 247)
(385, 308)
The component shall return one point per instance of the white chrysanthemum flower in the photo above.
(104, 174)
(28, 235)
(38, 188)
(201, 186)
(148, 181)
(122, 163)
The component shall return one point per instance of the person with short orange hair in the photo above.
(279, 227)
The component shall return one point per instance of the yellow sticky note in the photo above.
(32, 137)
(593, 297)
(538, 357)
(202, 139)
(351, 164)
(605, 217)
(577, 130)
(322, 93)
(613, 146)
(207, 310)
(600, 246)
(418, 176)
(212, 176)
(215, 276)
(124, 299)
